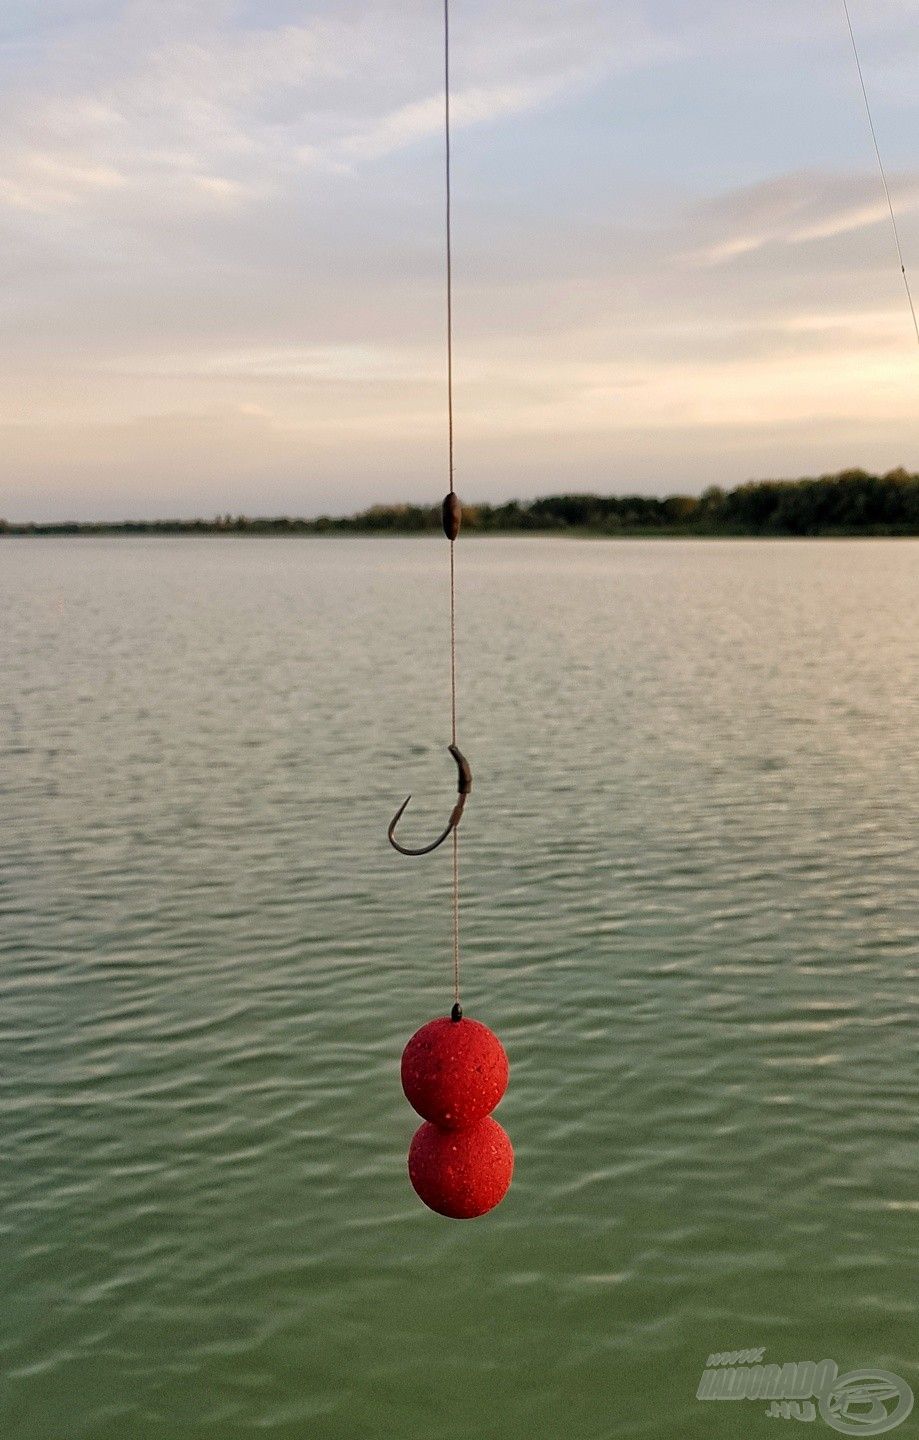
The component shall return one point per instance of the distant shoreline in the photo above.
(128, 529)
(851, 505)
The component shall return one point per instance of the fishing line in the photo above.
(877, 151)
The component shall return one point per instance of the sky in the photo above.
(221, 238)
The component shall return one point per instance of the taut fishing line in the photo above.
(881, 167)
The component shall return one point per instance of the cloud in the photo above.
(476, 105)
(358, 364)
(177, 98)
(41, 181)
(800, 209)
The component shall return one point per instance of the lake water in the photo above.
(690, 910)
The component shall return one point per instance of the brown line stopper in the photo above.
(452, 512)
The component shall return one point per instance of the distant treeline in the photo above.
(852, 503)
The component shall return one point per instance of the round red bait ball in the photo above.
(454, 1072)
(461, 1173)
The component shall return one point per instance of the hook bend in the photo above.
(463, 786)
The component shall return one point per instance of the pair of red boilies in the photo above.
(454, 1072)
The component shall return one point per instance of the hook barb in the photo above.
(463, 786)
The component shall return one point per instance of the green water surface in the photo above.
(690, 909)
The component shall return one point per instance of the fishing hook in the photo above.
(463, 786)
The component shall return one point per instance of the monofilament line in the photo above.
(449, 242)
(877, 151)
